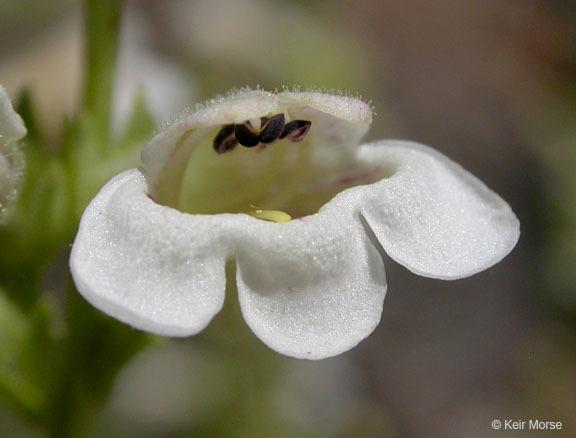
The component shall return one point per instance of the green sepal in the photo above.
(24, 106)
(140, 126)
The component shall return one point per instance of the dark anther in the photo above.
(225, 140)
(296, 130)
(245, 135)
(271, 128)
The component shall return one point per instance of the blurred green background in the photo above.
(490, 84)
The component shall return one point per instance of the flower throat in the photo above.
(255, 179)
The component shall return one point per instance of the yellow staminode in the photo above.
(271, 215)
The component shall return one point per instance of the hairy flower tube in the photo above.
(278, 184)
(11, 159)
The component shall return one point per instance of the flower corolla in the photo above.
(279, 184)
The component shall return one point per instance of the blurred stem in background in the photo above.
(74, 399)
(102, 27)
(94, 348)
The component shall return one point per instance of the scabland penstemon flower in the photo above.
(11, 159)
(279, 184)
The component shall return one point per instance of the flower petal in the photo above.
(11, 124)
(434, 217)
(166, 156)
(311, 288)
(147, 265)
(11, 158)
(338, 123)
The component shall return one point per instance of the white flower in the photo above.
(152, 246)
(11, 159)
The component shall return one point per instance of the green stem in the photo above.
(93, 352)
(102, 23)
(86, 367)
(257, 371)
(71, 408)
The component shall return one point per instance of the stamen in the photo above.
(245, 135)
(271, 128)
(225, 140)
(296, 130)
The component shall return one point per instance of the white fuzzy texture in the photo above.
(310, 288)
(434, 217)
(150, 266)
(339, 123)
(11, 162)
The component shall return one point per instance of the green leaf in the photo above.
(26, 355)
(38, 224)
